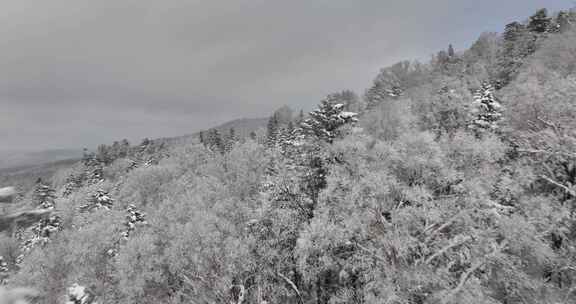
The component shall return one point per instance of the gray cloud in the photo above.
(78, 72)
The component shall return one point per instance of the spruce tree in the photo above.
(539, 22)
(231, 140)
(324, 122)
(214, 141)
(73, 182)
(4, 270)
(286, 138)
(44, 195)
(133, 218)
(124, 148)
(272, 130)
(201, 137)
(39, 234)
(451, 52)
(100, 199)
(486, 111)
(513, 31)
(385, 87)
(300, 117)
(77, 294)
(563, 22)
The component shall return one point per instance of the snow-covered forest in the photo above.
(451, 181)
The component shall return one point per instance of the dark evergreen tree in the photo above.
(539, 22)
(451, 52)
(324, 122)
(391, 82)
(300, 118)
(124, 148)
(214, 141)
(104, 154)
(519, 43)
(73, 182)
(231, 140)
(100, 199)
(144, 145)
(486, 111)
(272, 130)
(513, 31)
(286, 138)
(133, 218)
(44, 195)
(564, 21)
(201, 137)
(4, 271)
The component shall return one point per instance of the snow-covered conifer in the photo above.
(44, 195)
(214, 141)
(3, 270)
(231, 140)
(272, 131)
(324, 122)
(78, 294)
(133, 218)
(486, 111)
(73, 182)
(100, 199)
(38, 235)
(540, 22)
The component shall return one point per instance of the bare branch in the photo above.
(452, 244)
(207, 284)
(381, 259)
(444, 226)
(536, 151)
(465, 276)
(572, 192)
(293, 286)
(550, 125)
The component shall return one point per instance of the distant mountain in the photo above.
(23, 159)
(22, 168)
(15, 159)
(242, 128)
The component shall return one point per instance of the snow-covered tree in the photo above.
(3, 270)
(100, 199)
(564, 21)
(44, 195)
(324, 123)
(133, 218)
(486, 111)
(78, 294)
(382, 91)
(286, 138)
(451, 52)
(272, 131)
(73, 182)
(93, 168)
(231, 140)
(38, 235)
(213, 141)
(539, 22)
(512, 31)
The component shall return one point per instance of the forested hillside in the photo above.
(452, 181)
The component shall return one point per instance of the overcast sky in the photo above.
(75, 73)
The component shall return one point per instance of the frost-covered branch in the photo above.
(293, 286)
